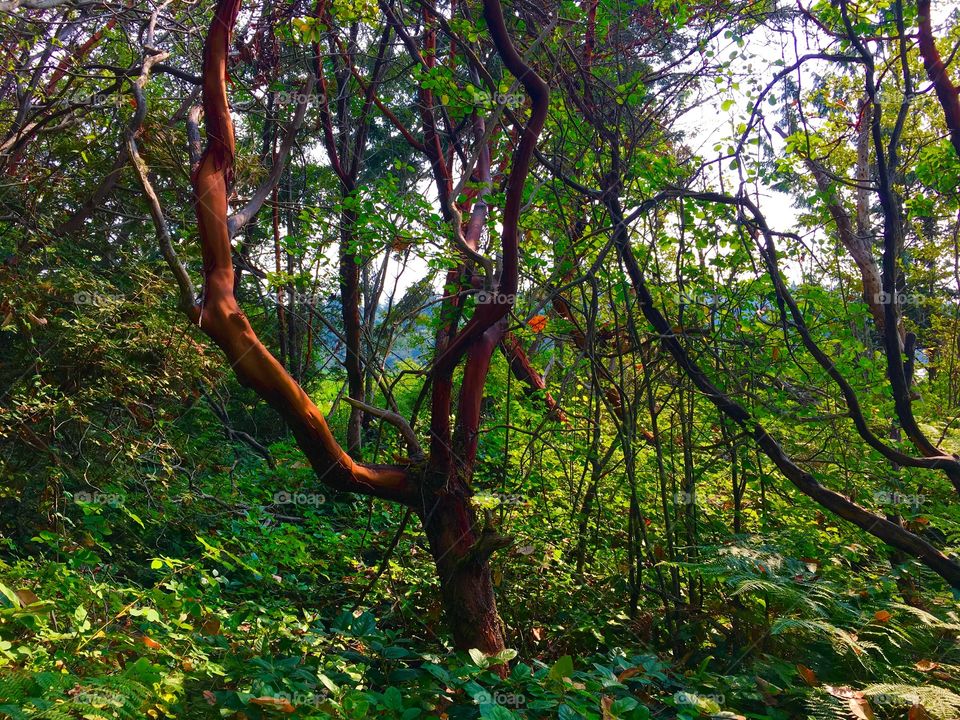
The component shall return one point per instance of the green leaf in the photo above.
(497, 712)
(478, 657)
(562, 668)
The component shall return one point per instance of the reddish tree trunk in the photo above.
(460, 546)
(461, 552)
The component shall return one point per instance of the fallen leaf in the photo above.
(281, 704)
(860, 709)
(882, 616)
(807, 675)
(918, 712)
(628, 673)
(151, 643)
(926, 665)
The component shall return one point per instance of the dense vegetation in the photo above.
(482, 358)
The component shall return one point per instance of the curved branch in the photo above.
(239, 219)
(947, 92)
(220, 316)
(526, 373)
(398, 421)
(488, 314)
(887, 531)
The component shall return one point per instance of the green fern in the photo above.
(940, 703)
(63, 696)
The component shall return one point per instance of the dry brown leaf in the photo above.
(281, 704)
(860, 709)
(606, 702)
(807, 675)
(926, 665)
(27, 597)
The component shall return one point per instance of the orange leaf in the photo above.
(882, 616)
(628, 673)
(151, 643)
(807, 675)
(538, 323)
(918, 712)
(281, 704)
(860, 709)
(926, 665)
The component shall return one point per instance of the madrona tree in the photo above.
(436, 487)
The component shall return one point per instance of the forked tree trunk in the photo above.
(461, 552)
(460, 547)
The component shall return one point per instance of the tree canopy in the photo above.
(485, 358)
